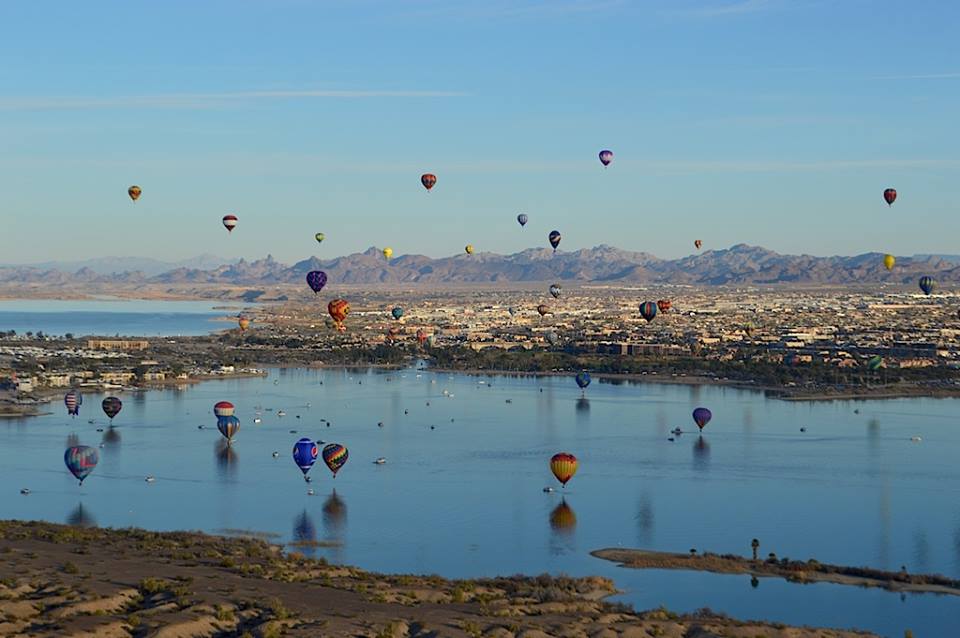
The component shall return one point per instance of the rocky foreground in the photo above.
(58, 580)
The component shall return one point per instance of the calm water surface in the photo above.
(111, 316)
(461, 492)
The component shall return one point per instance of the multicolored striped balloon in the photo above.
(223, 408)
(648, 310)
(73, 400)
(228, 426)
(335, 456)
(80, 460)
(564, 466)
(230, 222)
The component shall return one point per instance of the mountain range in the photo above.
(740, 264)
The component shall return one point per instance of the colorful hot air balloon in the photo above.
(387, 253)
(335, 455)
(243, 322)
(564, 466)
(890, 196)
(889, 261)
(648, 310)
(319, 237)
(875, 362)
(80, 460)
(73, 400)
(664, 305)
(543, 309)
(431, 341)
(552, 338)
(421, 336)
(556, 290)
(697, 243)
(134, 192)
(582, 379)
(397, 312)
(512, 311)
(339, 309)
(305, 455)
(606, 157)
(927, 284)
(702, 416)
(229, 222)
(223, 408)
(316, 279)
(468, 249)
(554, 238)
(111, 407)
(228, 426)
(522, 219)
(428, 180)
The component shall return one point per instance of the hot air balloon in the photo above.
(243, 322)
(543, 309)
(582, 379)
(927, 284)
(397, 312)
(702, 416)
(512, 311)
(552, 338)
(431, 341)
(316, 279)
(421, 336)
(890, 196)
(554, 238)
(73, 400)
(428, 180)
(564, 466)
(697, 243)
(664, 305)
(522, 219)
(387, 253)
(889, 261)
(229, 222)
(134, 192)
(305, 455)
(339, 309)
(556, 290)
(319, 237)
(228, 426)
(468, 249)
(111, 407)
(606, 157)
(335, 455)
(80, 460)
(648, 310)
(393, 333)
(223, 408)
(875, 363)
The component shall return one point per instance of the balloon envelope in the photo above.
(319, 237)
(388, 252)
(80, 460)
(244, 323)
(73, 400)
(428, 180)
(223, 408)
(702, 416)
(543, 309)
(397, 312)
(564, 466)
(889, 261)
(890, 196)
(927, 284)
(335, 455)
(134, 192)
(316, 279)
(606, 157)
(664, 305)
(522, 219)
(338, 309)
(582, 379)
(556, 291)
(697, 243)
(230, 222)
(648, 310)
(554, 239)
(468, 249)
(111, 407)
(305, 454)
(228, 426)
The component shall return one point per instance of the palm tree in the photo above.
(755, 544)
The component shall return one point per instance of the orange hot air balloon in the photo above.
(134, 192)
(339, 309)
(421, 336)
(543, 309)
(244, 323)
(664, 305)
(428, 180)
(563, 466)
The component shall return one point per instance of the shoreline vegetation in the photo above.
(81, 581)
(810, 571)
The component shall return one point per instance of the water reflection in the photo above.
(563, 524)
(227, 459)
(701, 454)
(754, 582)
(111, 438)
(304, 534)
(583, 405)
(645, 521)
(81, 517)
(334, 516)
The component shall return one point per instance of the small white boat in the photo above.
(257, 420)
(150, 479)
(276, 455)
(548, 490)
(281, 413)
(25, 491)
(915, 439)
(380, 461)
(310, 492)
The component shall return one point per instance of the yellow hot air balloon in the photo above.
(889, 261)
(469, 249)
(564, 466)
(319, 237)
(388, 252)
(244, 323)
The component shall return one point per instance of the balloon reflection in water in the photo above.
(563, 519)
(334, 515)
(701, 454)
(583, 404)
(304, 534)
(81, 517)
(111, 437)
(227, 459)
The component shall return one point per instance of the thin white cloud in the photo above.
(199, 100)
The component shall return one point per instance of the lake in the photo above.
(461, 493)
(125, 317)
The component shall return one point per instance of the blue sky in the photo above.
(770, 122)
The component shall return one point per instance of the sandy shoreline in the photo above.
(73, 581)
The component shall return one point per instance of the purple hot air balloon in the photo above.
(316, 279)
(606, 157)
(702, 416)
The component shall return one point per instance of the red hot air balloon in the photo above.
(428, 180)
(890, 196)
(223, 408)
(339, 309)
(664, 305)
(564, 466)
(229, 222)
